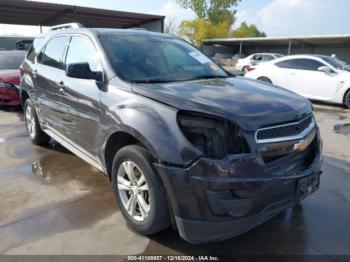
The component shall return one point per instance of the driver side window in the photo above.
(81, 50)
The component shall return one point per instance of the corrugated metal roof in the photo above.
(310, 39)
(22, 12)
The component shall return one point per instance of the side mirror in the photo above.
(82, 71)
(324, 69)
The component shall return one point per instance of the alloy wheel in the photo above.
(133, 190)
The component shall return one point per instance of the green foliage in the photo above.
(214, 20)
(247, 31)
(216, 11)
(199, 29)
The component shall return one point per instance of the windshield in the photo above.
(145, 59)
(11, 61)
(279, 55)
(336, 63)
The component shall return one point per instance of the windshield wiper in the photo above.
(153, 81)
(204, 77)
(162, 80)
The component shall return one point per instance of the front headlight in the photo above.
(9, 86)
(213, 137)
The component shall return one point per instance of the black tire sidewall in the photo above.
(158, 217)
(265, 79)
(346, 99)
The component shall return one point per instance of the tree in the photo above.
(214, 20)
(246, 30)
(170, 26)
(216, 11)
(198, 29)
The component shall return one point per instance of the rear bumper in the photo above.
(217, 199)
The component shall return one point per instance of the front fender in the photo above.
(154, 124)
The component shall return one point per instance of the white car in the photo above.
(255, 59)
(315, 77)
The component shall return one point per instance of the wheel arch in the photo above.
(265, 77)
(24, 96)
(119, 139)
(345, 93)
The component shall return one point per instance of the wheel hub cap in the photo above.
(133, 190)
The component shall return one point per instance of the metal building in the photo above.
(22, 12)
(324, 44)
(15, 42)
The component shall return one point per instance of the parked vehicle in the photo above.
(255, 59)
(182, 141)
(316, 77)
(339, 64)
(10, 77)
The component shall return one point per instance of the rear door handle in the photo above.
(60, 85)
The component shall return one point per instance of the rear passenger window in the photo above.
(53, 52)
(300, 64)
(81, 50)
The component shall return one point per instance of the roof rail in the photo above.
(66, 26)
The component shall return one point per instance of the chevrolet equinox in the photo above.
(183, 142)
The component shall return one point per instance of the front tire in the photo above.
(139, 191)
(347, 99)
(37, 136)
(265, 79)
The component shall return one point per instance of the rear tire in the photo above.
(35, 132)
(265, 79)
(347, 99)
(143, 204)
(245, 70)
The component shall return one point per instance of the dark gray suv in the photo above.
(183, 142)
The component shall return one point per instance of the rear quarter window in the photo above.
(33, 50)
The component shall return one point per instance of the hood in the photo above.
(11, 76)
(249, 103)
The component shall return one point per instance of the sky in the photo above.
(274, 17)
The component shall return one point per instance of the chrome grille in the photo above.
(285, 132)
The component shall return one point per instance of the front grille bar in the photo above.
(299, 136)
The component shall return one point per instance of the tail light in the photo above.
(250, 68)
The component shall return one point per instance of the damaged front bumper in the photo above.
(213, 200)
(9, 95)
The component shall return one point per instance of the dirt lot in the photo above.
(51, 202)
